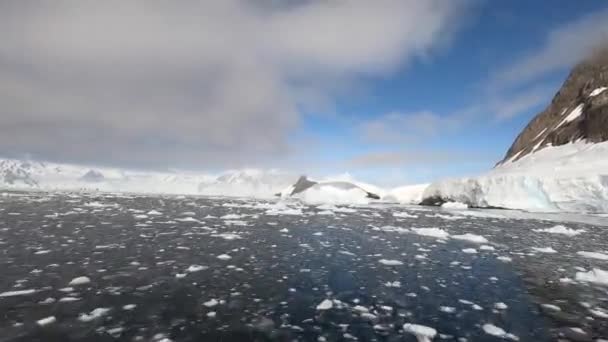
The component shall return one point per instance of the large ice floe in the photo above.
(570, 178)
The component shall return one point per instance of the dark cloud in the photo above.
(191, 83)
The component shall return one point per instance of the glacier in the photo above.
(567, 178)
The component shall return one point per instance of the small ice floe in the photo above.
(68, 299)
(211, 303)
(559, 229)
(500, 306)
(231, 217)
(596, 276)
(80, 281)
(599, 313)
(347, 253)
(471, 238)
(504, 258)
(318, 234)
(548, 250)
(493, 330)
(227, 236)
(325, 305)
(284, 230)
(211, 314)
(447, 309)
(486, 248)
(389, 262)
(49, 300)
(224, 257)
(93, 315)
(404, 215)
(431, 232)
(140, 216)
(17, 293)
(469, 251)
(196, 268)
(551, 307)
(422, 332)
(46, 321)
(393, 284)
(288, 211)
(129, 307)
(44, 251)
(593, 255)
(154, 213)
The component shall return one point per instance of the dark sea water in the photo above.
(204, 269)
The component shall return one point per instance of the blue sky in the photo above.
(390, 91)
(451, 79)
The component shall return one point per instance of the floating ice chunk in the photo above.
(96, 313)
(504, 258)
(129, 307)
(393, 284)
(548, 250)
(559, 229)
(454, 205)
(422, 332)
(80, 281)
(211, 303)
(493, 330)
(224, 257)
(288, 211)
(196, 268)
(46, 321)
(45, 251)
(596, 276)
(154, 213)
(500, 306)
(389, 262)
(140, 217)
(551, 307)
(211, 314)
(486, 248)
(432, 232)
(231, 217)
(469, 251)
(471, 238)
(325, 305)
(404, 215)
(599, 313)
(284, 230)
(593, 255)
(68, 299)
(447, 309)
(227, 236)
(17, 293)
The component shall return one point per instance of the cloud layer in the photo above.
(193, 83)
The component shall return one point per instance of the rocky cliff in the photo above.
(578, 111)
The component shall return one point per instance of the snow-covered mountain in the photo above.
(26, 175)
(248, 183)
(579, 111)
(560, 160)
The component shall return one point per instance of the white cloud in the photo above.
(194, 83)
(563, 47)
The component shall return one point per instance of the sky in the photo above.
(391, 91)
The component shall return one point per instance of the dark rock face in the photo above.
(558, 124)
(302, 184)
